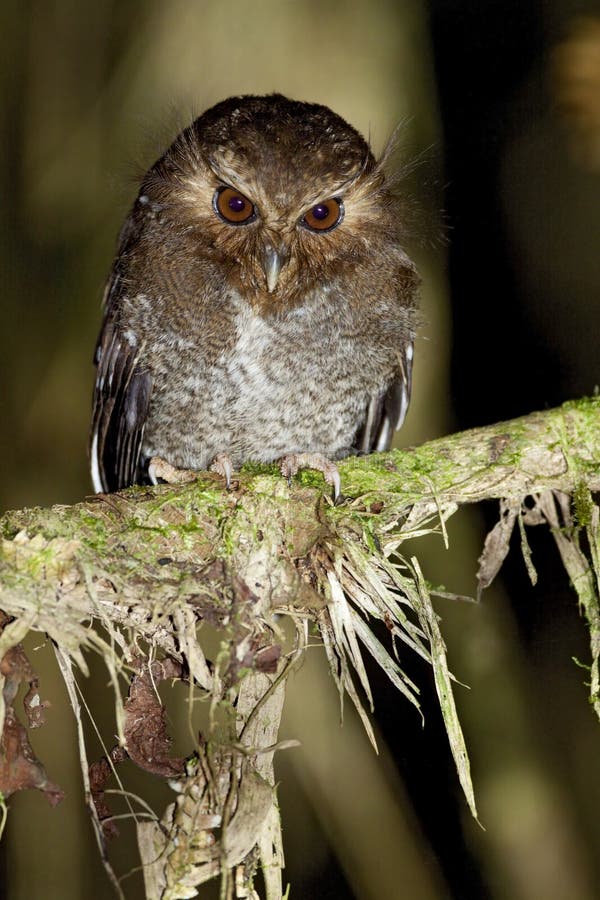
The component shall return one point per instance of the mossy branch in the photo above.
(136, 576)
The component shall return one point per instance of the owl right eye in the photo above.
(324, 216)
(232, 207)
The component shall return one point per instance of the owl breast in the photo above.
(295, 381)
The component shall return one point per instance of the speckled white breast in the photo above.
(295, 382)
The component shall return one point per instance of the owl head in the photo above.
(285, 196)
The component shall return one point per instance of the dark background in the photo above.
(500, 102)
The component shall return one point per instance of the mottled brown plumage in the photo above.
(260, 304)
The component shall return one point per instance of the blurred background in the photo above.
(500, 105)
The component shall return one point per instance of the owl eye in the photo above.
(233, 207)
(324, 216)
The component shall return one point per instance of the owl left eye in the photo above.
(233, 207)
(324, 216)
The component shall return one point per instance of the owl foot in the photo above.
(291, 463)
(160, 469)
(222, 465)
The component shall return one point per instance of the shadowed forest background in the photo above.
(501, 136)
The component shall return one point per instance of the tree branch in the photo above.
(150, 567)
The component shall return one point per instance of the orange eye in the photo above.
(233, 207)
(324, 216)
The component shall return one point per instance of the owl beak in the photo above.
(272, 262)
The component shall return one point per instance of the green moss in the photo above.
(583, 404)
(583, 505)
(256, 468)
(370, 538)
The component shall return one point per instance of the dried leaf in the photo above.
(100, 772)
(443, 684)
(147, 741)
(496, 546)
(389, 665)
(20, 769)
(526, 551)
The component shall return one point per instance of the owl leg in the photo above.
(291, 463)
(159, 468)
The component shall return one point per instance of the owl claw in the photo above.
(293, 462)
(222, 465)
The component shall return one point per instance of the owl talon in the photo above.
(223, 466)
(161, 470)
(291, 464)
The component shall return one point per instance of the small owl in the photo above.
(261, 305)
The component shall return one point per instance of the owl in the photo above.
(261, 305)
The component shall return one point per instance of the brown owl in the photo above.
(261, 306)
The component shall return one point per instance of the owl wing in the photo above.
(387, 410)
(121, 397)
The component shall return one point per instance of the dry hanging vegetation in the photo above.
(141, 578)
